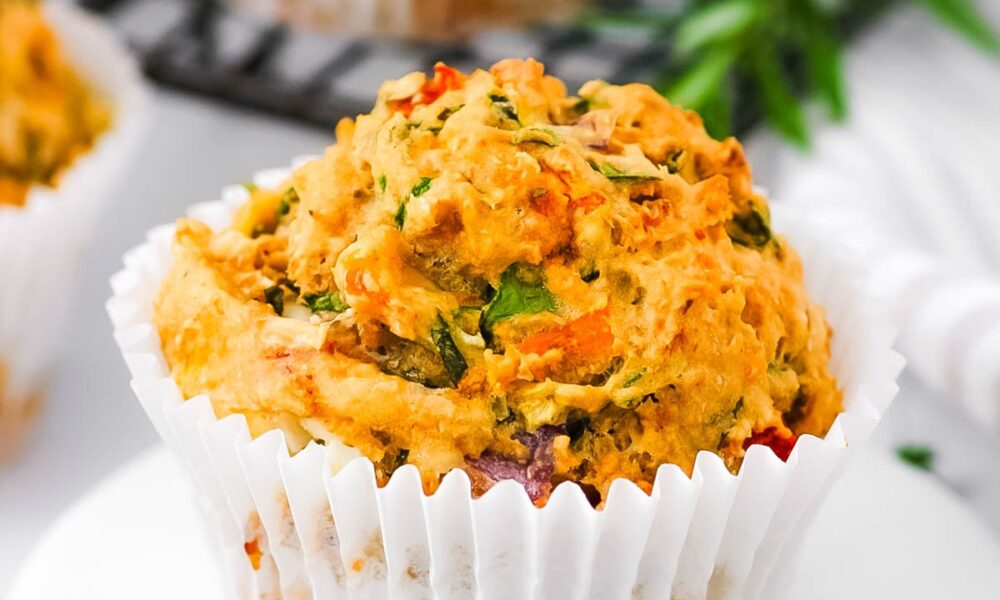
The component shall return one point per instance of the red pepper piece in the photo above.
(780, 443)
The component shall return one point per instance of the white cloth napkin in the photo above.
(912, 179)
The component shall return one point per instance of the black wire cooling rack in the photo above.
(201, 46)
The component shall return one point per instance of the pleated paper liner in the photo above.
(40, 242)
(309, 526)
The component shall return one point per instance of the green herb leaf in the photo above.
(275, 296)
(701, 81)
(781, 107)
(421, 187)
(400, 217)
(716, 22)
(535, 135)
(506, 109)
(965, 18)
(522, 291)
(326, 302)
(751, 228)
(381, 183)
(717, 115)
(249, 186)
(826, 73)
(454, 362)
(615, 174)
(285, 204)
(633, 378)
(615, 18)
(920, 457)
(449, 111)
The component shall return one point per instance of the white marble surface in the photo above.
(92, 424)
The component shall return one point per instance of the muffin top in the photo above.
(48, 117)
(485, 273)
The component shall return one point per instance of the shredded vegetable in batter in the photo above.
(487, 274)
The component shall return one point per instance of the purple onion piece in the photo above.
(535, 474)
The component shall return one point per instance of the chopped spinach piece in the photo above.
(615, 174)
(633, 378)
(503, 105)
(325, 302)
(421, 187)
(738, 407)
(535, 135)
(284, 207)
(581, 106)
(400, 217)
(289, 198)
(275, 296)
(920, 457)
(435, 129)
(454, 362)
(449, 111)
(752, 228)
(381, 183)
(249, 186)
(522, 291)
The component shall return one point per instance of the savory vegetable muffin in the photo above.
(485, 273)
(48, 116)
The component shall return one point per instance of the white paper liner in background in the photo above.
(925, 215)
(40, 243)
(329, 533)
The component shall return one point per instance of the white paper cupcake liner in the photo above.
(325, 530)
(41, 241)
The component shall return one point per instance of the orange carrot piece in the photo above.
(589, 335)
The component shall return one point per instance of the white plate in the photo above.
(887, 532)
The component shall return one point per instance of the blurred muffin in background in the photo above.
(48, 115)
(416, 19)
(71, 100)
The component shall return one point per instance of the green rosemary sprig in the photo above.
(735, 61)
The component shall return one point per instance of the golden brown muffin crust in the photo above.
(484, 273)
